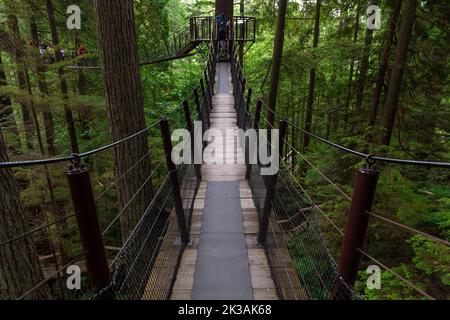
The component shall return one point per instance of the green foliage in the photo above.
(416, 197)
(432, 258)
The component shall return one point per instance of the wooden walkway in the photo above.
(224, 223)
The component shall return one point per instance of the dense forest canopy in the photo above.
(381, 91)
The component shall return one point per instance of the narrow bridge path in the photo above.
(224, 260)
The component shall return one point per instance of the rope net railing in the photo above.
(134, 204)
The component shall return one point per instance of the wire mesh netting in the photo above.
(146, 265)
(301, 264)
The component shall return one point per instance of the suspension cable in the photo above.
(72, 157)
(430, 164)
(23, 235)
(410, 229)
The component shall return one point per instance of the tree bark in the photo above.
(398, 70)
(384, 62)
(125, 103)
(312, 79)
(276, 61)
(352, 67)
(42, 84)
(63, 83)
(224, 6)
(5, 102)
(363, 69)
(6, 110)
(19, 264)
(84, 114)
(21, 78)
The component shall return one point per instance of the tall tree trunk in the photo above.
(384, 62)
(224, 6)
(84, 114)
(352, 67)
(63, 83)
(42, 84)
(312, 80)
(21, 78)
(6, 110)
(61, 229)
(336, 110)
(125, 103)
(5, 102)
(401, 58)
(276, 61)
(19, 264)
(361, 85)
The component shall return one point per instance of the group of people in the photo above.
(223, 31)
(48, 52)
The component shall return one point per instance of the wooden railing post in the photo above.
(356, 228)
(190, 127)
(173, 174)
(89, 228)
(271, 188)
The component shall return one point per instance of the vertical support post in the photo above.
(175, 43)
(249, 99)
(208, 85)
(257, 115)
(255, 125)
(172, 168)
(196, 28)
(245, 108)
(198, 107)
(212, 73)
(187, 116)
(356, 228)
(207, 101)
(89, 227)
(201, 115)
(211, 78)
(271, 188)
(242, 95)
(190, 127)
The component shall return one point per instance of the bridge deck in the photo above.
(224, 260)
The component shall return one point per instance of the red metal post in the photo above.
(356, 228)
(89, 227)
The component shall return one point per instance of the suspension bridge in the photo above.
(216, 231)
(194, 39)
